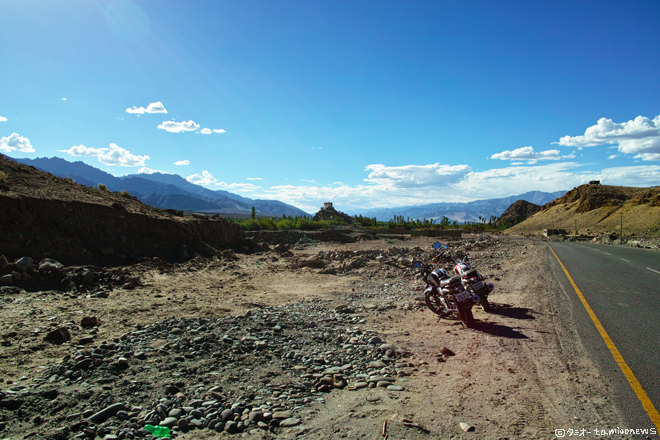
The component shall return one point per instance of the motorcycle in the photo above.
(473, 282)
(446, 296)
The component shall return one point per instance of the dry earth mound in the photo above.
(517, 212)
(599, 209)
(46, 216)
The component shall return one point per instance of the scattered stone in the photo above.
(48, 264)
(466, 427)
(281, 415)
(228, 253)
(58, 336)
(447, 352)
(287, 423)
(23, 263)
(106, 413)
(7, 280)
(89, 321)
(3, 262)
(169, 422)
(313, 262)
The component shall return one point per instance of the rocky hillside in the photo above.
(599, 209)
(330, 213)
(517, 212)
(47, 216)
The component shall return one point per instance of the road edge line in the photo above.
(627, 372)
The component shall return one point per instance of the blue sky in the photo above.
(365, 104)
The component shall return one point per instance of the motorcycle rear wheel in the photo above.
(434, 303)
(485, 304)
(465, 315)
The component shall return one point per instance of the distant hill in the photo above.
(167, 191)
(598, 209)
(462, 212)
(520, 210)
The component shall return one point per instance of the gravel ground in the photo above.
(320, 340)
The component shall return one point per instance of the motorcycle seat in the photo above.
(450, 281)
(470, 273)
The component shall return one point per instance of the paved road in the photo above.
(622, 286)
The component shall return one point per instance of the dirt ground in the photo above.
(521, 373)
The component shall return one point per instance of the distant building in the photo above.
(327, 205)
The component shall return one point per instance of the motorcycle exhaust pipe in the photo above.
(490, 286)
(475, 299)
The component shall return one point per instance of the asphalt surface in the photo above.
(622, 286)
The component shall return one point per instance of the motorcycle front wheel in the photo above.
(465, 315)
(434, 303)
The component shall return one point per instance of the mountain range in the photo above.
(167, 191)
(462, 212)
(171, 191)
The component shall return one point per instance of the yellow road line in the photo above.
(632, 380)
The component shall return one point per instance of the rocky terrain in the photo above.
(298, 340)
(595, 210)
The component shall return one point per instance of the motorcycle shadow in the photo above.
(511, 311)
(499, 330)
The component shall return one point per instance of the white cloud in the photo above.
(409, 176)
(145, 170)
(614, 156)
(527, 153)
(640, 136)
(182, 162)
(81, 150)
(205, 179)
(254, 178)
(115, 155)
(237, 186)
(63, 99)
(209, 131)
(308, 181)
(178, 127)
(2, 119)
(16, 142)
(154, 107)
(471, 185)
(648, 156)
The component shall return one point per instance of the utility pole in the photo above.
(576, 231)
(621, 234)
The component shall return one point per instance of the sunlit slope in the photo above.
(598, 209)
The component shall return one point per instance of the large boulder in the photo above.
(48, 264)
(23, 263)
